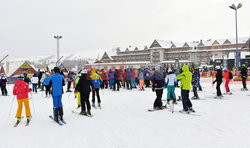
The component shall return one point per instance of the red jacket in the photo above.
(21, 89)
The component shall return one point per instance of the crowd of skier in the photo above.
(91, 80)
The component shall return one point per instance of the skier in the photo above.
(141, 77)
(70, 79)
(42, 79)
(111, 76)
(57, 82)
(96, 81)
(84, 87)
(46, 84)
(147, 78)
(34, 81)
(158, 85)
(128, 79)
(39, 75)
(21, 90)
(133, 77)
(244, 75)
(195, 82)
(185, 77)
(3, 83)
(117, 80)
(218, 81)
(227, 76)
(26, 78)
(170, 81)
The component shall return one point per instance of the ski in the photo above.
(152, 110)
(59, 123)
(17, 122)
(27, 123)
(189, 113)
(87, 115)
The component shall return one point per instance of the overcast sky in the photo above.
(27, 27)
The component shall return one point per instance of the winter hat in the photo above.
(169, 70)
(20, 77)
(84, 71)
(243, 65)
(56, 69)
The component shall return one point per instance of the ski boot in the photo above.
(89, 113)
(191, 110)
(83, 113)
(168, 100)
(184, 111)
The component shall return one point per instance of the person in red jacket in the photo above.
(227, 81)
(21, 90)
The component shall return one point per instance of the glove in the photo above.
(153, 89)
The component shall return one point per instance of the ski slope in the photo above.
(124, 122)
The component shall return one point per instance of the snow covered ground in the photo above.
(124, 122)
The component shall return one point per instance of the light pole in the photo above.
(237, 53)
(58, 52)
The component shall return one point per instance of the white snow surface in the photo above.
(124, 122)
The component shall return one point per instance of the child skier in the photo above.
(218, 81)
(46, 84)
(170, 81)
(21, 90)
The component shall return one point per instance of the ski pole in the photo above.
(33, 103)
(11, 107)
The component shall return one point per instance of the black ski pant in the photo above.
(147, 83)
(158, 102)
(128, 83)
(85, 101)
(4, 90)
(105, 84)
(218, 88)
(95, 91)
(117, 84)
(69, 86)
(47, 90)
(185, 100)
(195, 91)
(244, 83)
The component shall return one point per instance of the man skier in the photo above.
(84, 86)
(185, 77)
(244, 74)
(57, 82)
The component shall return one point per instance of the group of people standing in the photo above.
(88, 81)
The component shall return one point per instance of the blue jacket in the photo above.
(128, 75)
(111, 75)
(46, 81)
(57, 82)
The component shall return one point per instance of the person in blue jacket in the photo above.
(128, 79)
(46, 84)
(57, 82)
(111, 79)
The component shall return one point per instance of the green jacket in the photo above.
(185, 77)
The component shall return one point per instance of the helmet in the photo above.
(243, 65)
(84, 71)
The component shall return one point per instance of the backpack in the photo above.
(230, 76)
